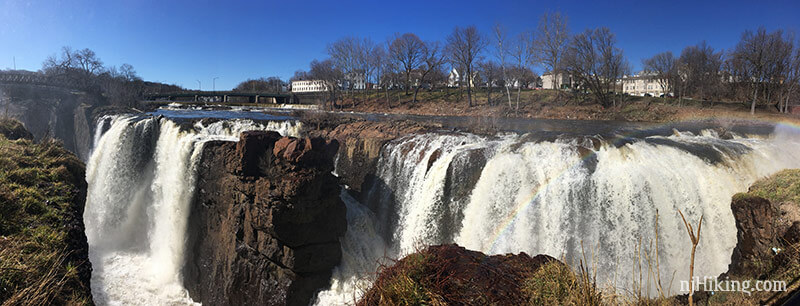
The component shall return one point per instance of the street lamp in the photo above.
(199, 85)
(214, 84)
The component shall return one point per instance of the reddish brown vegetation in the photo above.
(453, 275)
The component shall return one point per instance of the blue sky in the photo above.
(183, 41)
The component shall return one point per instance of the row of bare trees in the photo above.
(408, 62)
(271, 84)
(120, 85)
(762, 69)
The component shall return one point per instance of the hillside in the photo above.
(549, 104)
(43, 248)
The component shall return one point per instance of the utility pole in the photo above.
(199, 85)
(214, 84)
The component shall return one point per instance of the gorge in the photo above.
(406, 186)
(180, 210)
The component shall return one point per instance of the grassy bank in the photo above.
(452, 275)
(547, 104)
(41, 185)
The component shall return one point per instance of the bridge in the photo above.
(39, 79)
(221, 97)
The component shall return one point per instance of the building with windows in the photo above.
(309, 86)
(643, 85)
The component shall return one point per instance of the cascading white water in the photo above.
(141, 180)
(546, 197)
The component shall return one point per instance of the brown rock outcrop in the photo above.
(756, 234)
(361, 144)
(766, 231)
(266, 221)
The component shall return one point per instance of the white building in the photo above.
(559, 81)
(309, 86)
(355, 79)
(642, 85)
(454, 79)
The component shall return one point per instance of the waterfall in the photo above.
(141, 180)
(568, 198)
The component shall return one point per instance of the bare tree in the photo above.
(330, 75)
(522, 52)
(87, 61)
(501, 52)
(552, 41)
(379, 61)
(491, 74)
(792, 78)
(594, 59)
(663, 66)
(127, 72)
(351, 55)
(54, 65)
(408, 52)
(300, 75)
(271, 84)
(699, 70)
(762, 56)
(344, 55)
(81, 65)
(464, 46)
(432, 59)
(524, 77)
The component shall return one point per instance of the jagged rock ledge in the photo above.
(266, 221)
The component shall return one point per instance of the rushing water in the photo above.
(141, 181)
(570, 197)
(566, 195)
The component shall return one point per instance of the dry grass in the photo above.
(781, 187)
(39, 186)
(549, 104)
(450, 275)
(556, 284)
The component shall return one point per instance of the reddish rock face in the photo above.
(266, 221)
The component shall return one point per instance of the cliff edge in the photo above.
(44, 257)
(266, 221)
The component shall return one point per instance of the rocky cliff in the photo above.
(360, 147)
(266, 221)
(768, 227)
(52, 112)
